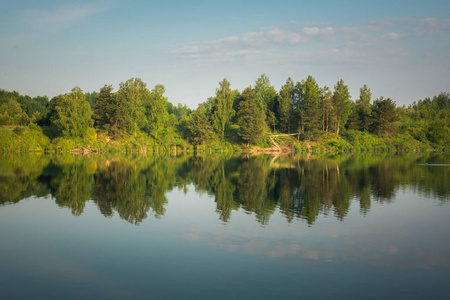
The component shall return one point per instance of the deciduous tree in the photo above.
(12, 114)
(71, 113)
(158, 117)
(223, 107)
(341, 104)
(327, 108)
(132, 97)
(266, 97)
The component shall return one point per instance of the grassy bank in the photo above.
(23, 139)
(36, 139)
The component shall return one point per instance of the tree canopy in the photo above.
(223, 107)
(302, 108)
(71, 113)
(250, 117)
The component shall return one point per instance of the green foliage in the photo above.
(22, 139)
(132, 97)
(307, 103)
(266, 96)
(363, 109)
(71, 113)
(18, 130)
(157, 115)
(285, 108)
(383, 116)
(223, 107)
(404, 142)
(327, 109)
(341, 105)
(105, 108)
(199, 127)
(438, 133)
(363, 140)
(338, 145)
(138, 120)
(179, 118)
(35, 109)
(250, 117)
(92, 98)
(12, 114)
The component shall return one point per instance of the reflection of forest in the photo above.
(300, 188)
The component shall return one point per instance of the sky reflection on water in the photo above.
(179, 236)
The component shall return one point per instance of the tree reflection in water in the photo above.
(301, 187)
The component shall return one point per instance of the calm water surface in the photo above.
(152, 227)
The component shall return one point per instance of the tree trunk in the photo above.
(337, 127)
(323, 122)
(223, 133)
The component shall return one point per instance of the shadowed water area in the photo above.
(224, 227)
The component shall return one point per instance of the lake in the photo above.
(364, 226)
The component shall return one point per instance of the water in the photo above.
(153, 227)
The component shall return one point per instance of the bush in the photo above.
(62, 144)
(19, 130)
(437, 133)
(22, 139)
(236, 148)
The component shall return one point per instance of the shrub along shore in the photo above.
(300, 117)
(31, 138)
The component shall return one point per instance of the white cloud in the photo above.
(241, 45)
(260, 38)
(391, 36)
(326, 33)
(417, 27)
(60, 15)
(358, 44)
(221, 55)
(311, 23)
(358, 32)
(430, 27)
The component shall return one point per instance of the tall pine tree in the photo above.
(308, 105)
(383, 116)
(285, 106)
(200, 128)
(327, 108)
(250, 119)
(105, 107)
(363, 108)
(266, 98)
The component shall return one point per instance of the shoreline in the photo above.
(33, 139)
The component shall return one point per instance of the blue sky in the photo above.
(400, 49)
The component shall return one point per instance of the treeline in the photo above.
(230, 116)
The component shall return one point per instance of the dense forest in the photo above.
(301, 115)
